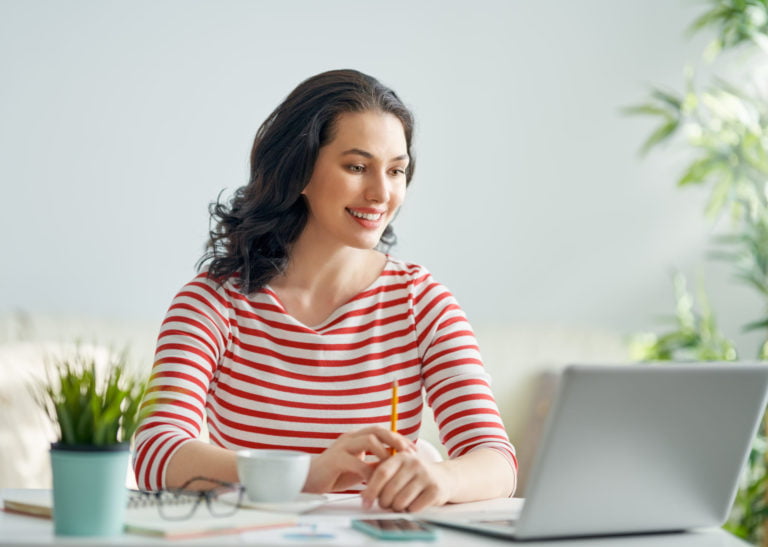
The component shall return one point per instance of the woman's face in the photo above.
(358, 181)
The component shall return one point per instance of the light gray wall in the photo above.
(121, 121)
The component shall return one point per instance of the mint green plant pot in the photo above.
(89, 493)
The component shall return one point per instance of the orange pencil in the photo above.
(393, 413)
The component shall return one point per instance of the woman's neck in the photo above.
(318, 279)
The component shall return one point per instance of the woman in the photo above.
(294, 333)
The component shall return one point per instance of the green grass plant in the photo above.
(90, 408)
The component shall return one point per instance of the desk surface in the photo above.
(334, 519)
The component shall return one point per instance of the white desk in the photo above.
(334, 518)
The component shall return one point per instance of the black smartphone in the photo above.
(396, 528)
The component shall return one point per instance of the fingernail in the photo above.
(367, 503)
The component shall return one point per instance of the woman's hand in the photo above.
(342, 464)
(407, 482)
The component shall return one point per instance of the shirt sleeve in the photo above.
(456, 382)
(192, 338)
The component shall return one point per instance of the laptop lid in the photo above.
(643, 448)
(630, 449)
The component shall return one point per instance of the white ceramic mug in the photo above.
(272, 475)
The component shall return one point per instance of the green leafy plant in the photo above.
(750, 509)
(726, 126)
(695, 336)
(735, 22)
(88, 409)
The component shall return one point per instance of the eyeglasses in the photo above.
(222, 500)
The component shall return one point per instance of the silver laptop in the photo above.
(636, 449)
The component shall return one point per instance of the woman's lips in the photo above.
(368, 218)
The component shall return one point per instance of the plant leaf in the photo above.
(661, 134)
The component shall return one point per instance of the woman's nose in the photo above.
(377, 189)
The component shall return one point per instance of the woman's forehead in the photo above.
(373, 132)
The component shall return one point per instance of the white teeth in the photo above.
(366, 216)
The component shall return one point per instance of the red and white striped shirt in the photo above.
(262, 379)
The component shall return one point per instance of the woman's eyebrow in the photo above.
(365, 154)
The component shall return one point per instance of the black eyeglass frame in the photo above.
(184, 491)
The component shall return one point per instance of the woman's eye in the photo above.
(356, 168)
(398, 171)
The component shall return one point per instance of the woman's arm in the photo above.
(200, 458)
(193, 335)
(482, 461)
(484, 472)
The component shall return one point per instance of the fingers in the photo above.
(394, 483)
(336, 469)
(355, 466)
(343, 463)
(376, 440)
(427, 498)
(398, 489)
(406, 483)
(360, 443)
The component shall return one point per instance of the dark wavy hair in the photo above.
(252, 234)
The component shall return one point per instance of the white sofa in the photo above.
(520, 359)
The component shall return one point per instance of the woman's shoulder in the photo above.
(211, 288)
(397, 268)
(428, 297)
(416, 276)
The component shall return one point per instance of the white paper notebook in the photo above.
(146, 520)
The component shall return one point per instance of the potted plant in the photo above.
(96, 411)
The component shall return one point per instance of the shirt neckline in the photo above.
(336, 314)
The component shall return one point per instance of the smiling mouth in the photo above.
(366, 216)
